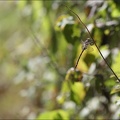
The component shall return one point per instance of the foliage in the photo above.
(40, 49)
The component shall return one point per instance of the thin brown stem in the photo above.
(79, 58)
(94, 43)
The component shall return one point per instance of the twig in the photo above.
(79, 58)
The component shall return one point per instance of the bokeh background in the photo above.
(40, 41)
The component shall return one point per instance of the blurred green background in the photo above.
(40, 41)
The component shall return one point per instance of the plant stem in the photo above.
(79, 58)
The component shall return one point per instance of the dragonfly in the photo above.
(94, 43)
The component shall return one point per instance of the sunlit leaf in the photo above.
(82, 66)
(115, 9)
(110, 82)
(77, 92)
(54, 115)
(116, 64)
(65, 93)
(115, 89)
(61, 98)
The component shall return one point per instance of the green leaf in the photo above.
(69, 34)
(77, 92)
(115, 89)
(54, 115)
(64, 93)
(72, 88)
(110, 82)
(69, 28)
(116, 64)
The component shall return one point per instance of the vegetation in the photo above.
(51, 66)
